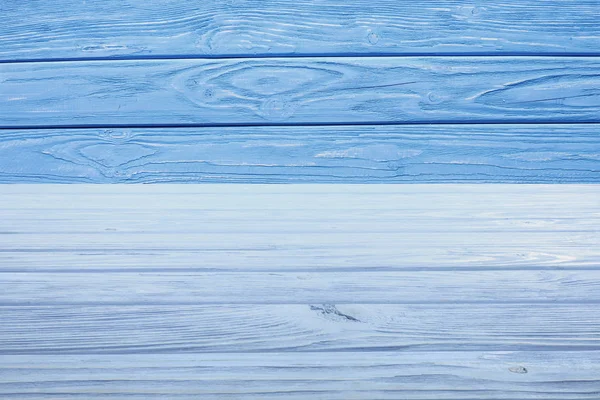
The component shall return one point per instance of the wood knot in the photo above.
(199, 91)
(518, 370)
(277, 109)
(117, 174)
(209, 93)
(466, 12)
(116, 135)
(330, 311)
(373, 38)
(433, 98)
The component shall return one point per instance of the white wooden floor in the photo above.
(300, 292)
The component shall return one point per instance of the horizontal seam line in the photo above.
(317, 270)
(301, 124)
(303, 55)
(399, 349)
(433, 303)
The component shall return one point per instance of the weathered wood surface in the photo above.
(124, 329)
(359, 154)
(138, 28)
(301, 91)
(300, 291)
(298, 228)
(382, 375)
(323, 258)
(296, 292)
(408, 287)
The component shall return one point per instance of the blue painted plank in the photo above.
(301, 91)
(425, 153)
(141, 28)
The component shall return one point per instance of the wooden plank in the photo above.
(301, 91)
(266, 241)
(382, 375)
(124, 329)
(137, 28)
(464, 257)
(461, 198)
(356, 330)
(350, 154)
(298, 228)
(300, 287)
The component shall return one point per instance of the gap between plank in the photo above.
(292, 124)
(175, 304)
(401, 349)
(303, 55)
(294, 270)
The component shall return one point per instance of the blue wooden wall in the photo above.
(289, 91)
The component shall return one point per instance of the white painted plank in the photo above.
(298, 228)
(463, 90)
(96, 318)
(124, 329)
(550, 192)
(114, 287)
(380, 242)
(381, 375)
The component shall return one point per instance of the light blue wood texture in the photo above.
(361, 154)
(142, 28)
(301, 91)
(291, 286)
(311, 228)
(300, 291)
(298, 328)
(299, 376)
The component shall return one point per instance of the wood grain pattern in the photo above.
(301, 91)
(383, 375)
(137, 28)
(296, 291)
(299, 288)
(145, 329)
(298, 228)
(350, 154)
(263, 292)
